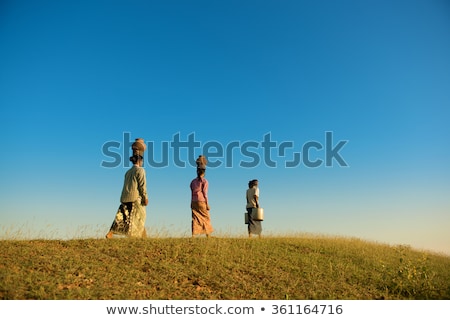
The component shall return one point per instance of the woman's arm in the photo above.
(142, 185)
(205, 192)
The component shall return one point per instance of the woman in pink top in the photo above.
(201, 220)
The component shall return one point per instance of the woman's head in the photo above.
(200, 172)
(136, 159)
(252, 183)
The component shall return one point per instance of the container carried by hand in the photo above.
(258, 214)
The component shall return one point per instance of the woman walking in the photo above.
(131, 215)
(252, 196)
(201, 220)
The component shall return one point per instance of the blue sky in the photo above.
(77, 75)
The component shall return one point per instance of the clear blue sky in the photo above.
(75, 75)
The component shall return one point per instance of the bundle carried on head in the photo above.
(138, 147)
(201, 162)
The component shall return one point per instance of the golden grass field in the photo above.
(302, 267)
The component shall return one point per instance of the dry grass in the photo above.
(275, 268)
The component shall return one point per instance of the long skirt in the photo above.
(254, 227)
(130, 220)
(201, 220)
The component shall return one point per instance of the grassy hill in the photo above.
(219, 268)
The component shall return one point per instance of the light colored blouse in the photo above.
(251, 193)
(134, 185)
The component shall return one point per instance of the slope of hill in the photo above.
(301, 268)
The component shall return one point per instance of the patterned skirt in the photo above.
(130, 220)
